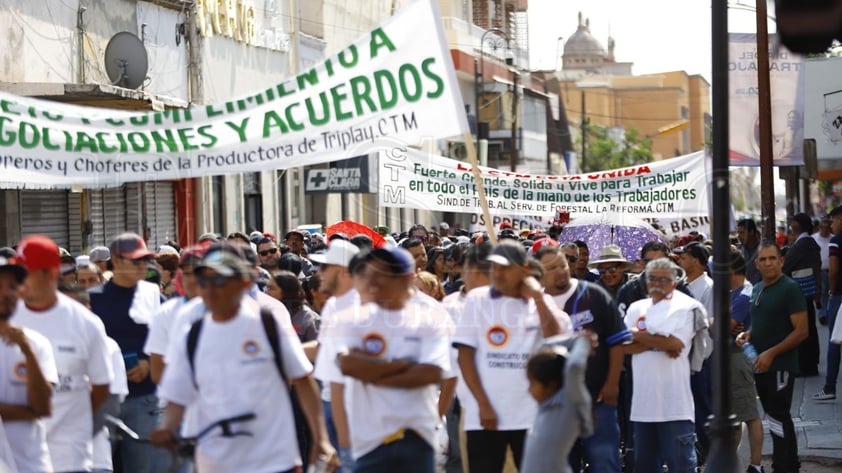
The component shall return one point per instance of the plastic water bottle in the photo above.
(750, 353)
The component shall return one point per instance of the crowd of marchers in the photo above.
(432, 349)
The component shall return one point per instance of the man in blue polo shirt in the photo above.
(126, 305)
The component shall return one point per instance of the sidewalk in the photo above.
(817, 423)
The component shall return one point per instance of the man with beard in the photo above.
(662, 402)
(591, 308)
(268, 253)
(28, 372)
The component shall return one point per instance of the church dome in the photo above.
(582, 42)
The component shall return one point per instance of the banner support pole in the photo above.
(483, 201)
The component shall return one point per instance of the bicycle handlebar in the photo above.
(186, 445)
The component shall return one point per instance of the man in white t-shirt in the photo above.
(234, 372)
(118, 390)
(500, 327)
(161, 327)
(336, 282)
(693, 259)
(662, 410)
(822, 237)
(27, 375)
(390, 356)
(475, 272)
(81, 355)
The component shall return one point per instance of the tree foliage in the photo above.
(605, 151)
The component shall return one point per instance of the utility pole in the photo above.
(723, 426)
(767, 185)
(584, 133)
(514, 154)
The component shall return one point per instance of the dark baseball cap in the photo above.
(508, 252)
(695, 250)
(399, 261)
(129, 246)
(10, 265)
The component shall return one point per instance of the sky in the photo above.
(656, 35)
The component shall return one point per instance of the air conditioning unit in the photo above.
(457, 150)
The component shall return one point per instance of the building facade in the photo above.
(672, 109)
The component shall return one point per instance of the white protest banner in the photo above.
(396, 84)
(672, 193)
(787, 87)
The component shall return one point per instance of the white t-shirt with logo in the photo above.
(420, 332)
(27, 438)
(236, 374)
(505, 331)
(78, 338)
(662, 384)
(119, 387)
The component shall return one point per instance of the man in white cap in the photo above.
(336, 282)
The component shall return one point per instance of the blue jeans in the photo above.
(656, 443)
(411, 454)
(454, 450)
(825, 299)
(833, 353)
(701, 385)
(141, 414)
(331, 427)
(602, 449)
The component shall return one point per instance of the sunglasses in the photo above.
(611, 270)
(572, 258)
(139, 261)
(215, 281)
(660, 280)
(268, 252)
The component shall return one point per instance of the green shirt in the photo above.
(770, 324)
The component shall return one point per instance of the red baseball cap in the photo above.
(37, 252)
(129, 246)
(542, 242)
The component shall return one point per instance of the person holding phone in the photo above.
(126, 305)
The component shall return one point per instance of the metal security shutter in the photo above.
(107, 214)
(134, 207)
(74, 222)
(160, 213)
(45, 213)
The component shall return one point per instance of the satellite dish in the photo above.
(126, 62)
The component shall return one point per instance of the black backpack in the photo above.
(302, 430)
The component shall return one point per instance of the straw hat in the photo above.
(609, 254)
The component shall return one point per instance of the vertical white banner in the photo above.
(787, 86)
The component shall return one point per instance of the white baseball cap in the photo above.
(339, 253)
